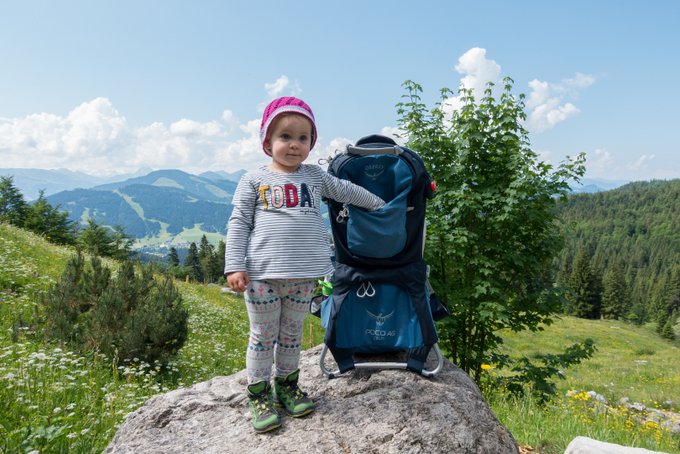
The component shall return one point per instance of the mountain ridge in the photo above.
(161, 208)
(200, 187)
(30, 181)
(590, 185)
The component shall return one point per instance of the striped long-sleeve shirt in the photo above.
(276, 230)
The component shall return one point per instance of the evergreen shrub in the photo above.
(131, 315)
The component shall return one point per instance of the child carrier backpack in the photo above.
(381, 301)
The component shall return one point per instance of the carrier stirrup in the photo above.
(429, 373)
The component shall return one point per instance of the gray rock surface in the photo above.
(366, 411)
(585, 445)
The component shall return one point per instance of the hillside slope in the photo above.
(630, 361)
(57, 400)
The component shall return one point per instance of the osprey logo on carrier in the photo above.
(373, 171)
(380, 319)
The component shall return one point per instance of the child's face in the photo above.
(289, 142)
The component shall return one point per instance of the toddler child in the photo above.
(277, 249)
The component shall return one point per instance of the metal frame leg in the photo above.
(383, 365)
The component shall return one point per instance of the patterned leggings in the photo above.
(277, 310)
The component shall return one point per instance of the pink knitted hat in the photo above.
(286, 104)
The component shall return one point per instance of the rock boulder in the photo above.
(363, 411)
(585, 445)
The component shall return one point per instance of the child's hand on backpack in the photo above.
(238, 281)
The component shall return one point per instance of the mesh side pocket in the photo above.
(325, 311)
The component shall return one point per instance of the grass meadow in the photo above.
(632, 364)
(56, 400)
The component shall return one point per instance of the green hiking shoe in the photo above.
(288, 395)
(264, 416)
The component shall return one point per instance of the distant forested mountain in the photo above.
(596, 185)
(217, 190)
(160, 205)
(629, 236)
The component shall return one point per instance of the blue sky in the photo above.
(115, 86)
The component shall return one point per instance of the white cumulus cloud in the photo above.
(548, 104)
(89, 137)
(477, 71)
(95, 138)
(186, 127)
(275, 88)
(230, 120)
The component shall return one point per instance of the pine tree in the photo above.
(673, 292)
(206, 255)
(584, 299)
(205, 248)
(173, 257)
(564, 271)
(64, 303)
(638, 313)
(122, 243)
(13, 207)
(657, 299)
(210, 266)
(193, 263)
(96, 239)
(666, 331)
(221, 249)
(614, 293)
(53, 223)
